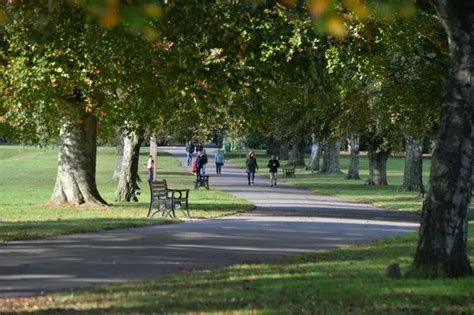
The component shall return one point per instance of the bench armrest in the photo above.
(178, 193)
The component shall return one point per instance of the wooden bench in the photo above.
(289, 171)
(201, 181)
(165, 201)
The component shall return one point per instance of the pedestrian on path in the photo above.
(252, 167)
(273, 165)
(201, 161)
(199, 147)
(189, 152)
(204, 161)
(219, 159)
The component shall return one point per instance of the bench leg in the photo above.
(187, 209)
(149, 210)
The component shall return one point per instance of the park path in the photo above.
(287, 221)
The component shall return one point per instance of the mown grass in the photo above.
(390, 197)
(27, 177)
(341, 281)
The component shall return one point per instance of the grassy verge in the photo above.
(389, 197)
(341, 281)
(27, 180)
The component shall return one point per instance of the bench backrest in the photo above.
(158, 188)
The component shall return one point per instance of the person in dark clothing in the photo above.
(201, 161)
(252, 167)
(273, 165)
(204, 161)
(199, 147)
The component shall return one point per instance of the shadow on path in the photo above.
(288, 221)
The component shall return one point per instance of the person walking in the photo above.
(189, 153)
(252, 167)
(199, 163)
(204, 161)
(199, 147)
(219, 159)
(273, 165)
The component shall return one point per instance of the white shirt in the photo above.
(150, 163)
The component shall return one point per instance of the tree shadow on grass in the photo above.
(10, 231)
(341, 281)
(226, 206)
(164, 174)
(390, 192)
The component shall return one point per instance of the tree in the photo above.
(442, 243)
(412, 175)
(353, 172)
(61, 77)
(128, 179)
(331, 156)
(316, 150)
(387, 79)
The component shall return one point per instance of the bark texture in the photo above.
(353, 172)
(377, 166)
(316, 150)
(331, 157)
(442, 243)
(75, 181)
(128, 179)
(284, 151)
(413, 174)
(119, 158)
(297, 153)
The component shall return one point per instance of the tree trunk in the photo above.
(297, 153)
(413, 175)
(331, 157)
(316, 150)
(119, 159)
(432, 146)
(272, 146)
(353, 172)
(284, 151)
(127, 184)
(75, 181)
(377, 166)
(442, 243)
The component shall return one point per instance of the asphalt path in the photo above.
(287, 221)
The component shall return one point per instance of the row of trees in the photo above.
(76, 70)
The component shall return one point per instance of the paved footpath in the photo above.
(287, 221)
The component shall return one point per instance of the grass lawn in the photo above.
(341, 281)
(27, 177)
(389, 197)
